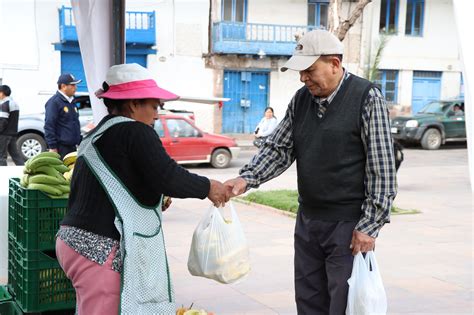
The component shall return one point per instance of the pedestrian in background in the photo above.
(337, 129)
(61, 127)
(9, 114)
(265, 127)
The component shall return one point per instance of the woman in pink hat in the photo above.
(110, 243)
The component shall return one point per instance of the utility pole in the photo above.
(118, 31)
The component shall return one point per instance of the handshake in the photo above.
(220, 193)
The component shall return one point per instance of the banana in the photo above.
(48, 170)
(24, 180)
(70, 158)
(65, 189)
(68, 176)
(47, 154)
(61, 168)
(45, 179)
(41, 155)
(51, 171)
(42, 161)
(48, 189)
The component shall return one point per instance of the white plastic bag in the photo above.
(219, 248)
(366, 292)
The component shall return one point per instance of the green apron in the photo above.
(145, 279)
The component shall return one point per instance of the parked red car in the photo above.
(187, 144)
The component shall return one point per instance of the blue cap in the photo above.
(67, 78)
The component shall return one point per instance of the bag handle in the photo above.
(371, 262)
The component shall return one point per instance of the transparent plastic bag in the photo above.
(219, 249)
(366, 292)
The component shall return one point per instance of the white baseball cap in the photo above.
(310, 47)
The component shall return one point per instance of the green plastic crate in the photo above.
(11, 263)
(34, 217)
(7, 305)
(40, 284)
(4, 294)
(11, 205)
(10, 308)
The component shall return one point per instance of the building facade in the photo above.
(204, 49)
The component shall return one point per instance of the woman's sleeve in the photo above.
(161, 172)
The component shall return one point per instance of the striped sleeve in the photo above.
(380, 173)
(275, 156)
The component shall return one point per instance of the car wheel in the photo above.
(220, 158)
(431, 139)
(30, 145)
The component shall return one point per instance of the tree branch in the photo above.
(345, 25)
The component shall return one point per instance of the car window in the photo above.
(180, 128)
(435, 108)
(159, 128)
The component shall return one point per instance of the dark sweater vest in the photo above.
(330, 154)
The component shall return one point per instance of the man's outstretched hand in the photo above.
(235, 187)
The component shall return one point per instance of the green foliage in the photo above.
(287, 200)
(373, 68)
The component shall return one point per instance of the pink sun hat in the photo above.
(132, 81)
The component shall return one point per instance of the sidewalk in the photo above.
(245, 144)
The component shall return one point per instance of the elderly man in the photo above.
(61, 127)
(337, 129)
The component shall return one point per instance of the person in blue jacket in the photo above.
(61, 127)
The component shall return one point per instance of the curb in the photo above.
(263, 207)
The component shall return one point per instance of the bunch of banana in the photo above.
(69, 161)
(45, 172)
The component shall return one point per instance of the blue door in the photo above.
(426, 88)
(248, 93)
(71, 62)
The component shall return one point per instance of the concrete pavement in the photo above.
(425, 259)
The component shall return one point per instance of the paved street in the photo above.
(425, 259)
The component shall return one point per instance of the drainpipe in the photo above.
(173, 52)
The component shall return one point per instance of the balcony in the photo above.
(256, 39)
(139, 27)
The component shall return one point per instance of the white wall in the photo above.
(28, 62)
(283, 85)
(30, 65)
(405, 86)
(181, 42)
(436, 50)
(278, 12)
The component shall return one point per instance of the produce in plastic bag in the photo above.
(219, 248)
(366, 292)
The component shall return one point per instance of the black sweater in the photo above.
(135, 153)
(330, 153)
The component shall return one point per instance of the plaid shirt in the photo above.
(277, 155)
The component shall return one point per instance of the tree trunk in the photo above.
(334, 15)
(345, 25)
(209, 30)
